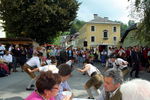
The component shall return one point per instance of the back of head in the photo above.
(53, 59)
(46, 81)
(64, 69)
(39, 54)
(113, 56)
(136, 89)
(87, 61)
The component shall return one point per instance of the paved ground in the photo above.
(13, 86)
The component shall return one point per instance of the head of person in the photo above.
(40, 54)
(112, 79)
(73, 59)
(7, 52)
(86, 61)
(53, 60)
(91, 57)
(47, 84)
(64, 71)
(113, 57)
(136, 89)
(136, 48)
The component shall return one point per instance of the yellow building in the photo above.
(99, 31)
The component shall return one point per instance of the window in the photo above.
(105, 35)
(92, 39)
(114, 38)
(114, 29)
(92, 28)
(85, 44)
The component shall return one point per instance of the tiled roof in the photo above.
(100, 20)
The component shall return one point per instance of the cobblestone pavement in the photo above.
(13, 86)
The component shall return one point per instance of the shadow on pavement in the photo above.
(12, 98)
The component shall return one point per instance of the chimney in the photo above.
(95, 15)
(106, 18)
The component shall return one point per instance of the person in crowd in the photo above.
(48, 60)
(16, 57)
(136, 61)
(136, 89)
(23, 57)
(119, 63)
(96, 78)
(29, 65)
(121, 53)
(109, 51)
(63, 56)
(109, 64)
(47, 85)
(113, 79)
(8, 59)
(148, 54)
(103, 56)
(52, 67)
(2, 49)
(128, 55)
(71, 62)
(65, 73)
(70, 53)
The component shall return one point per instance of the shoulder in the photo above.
(118, 95)
(34, 96)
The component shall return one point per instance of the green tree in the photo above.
(77, 24)
(142, 8)
(123, 28)
(41, 20)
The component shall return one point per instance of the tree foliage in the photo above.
(77, 24)
(142, 7)
(123, 28)
(38, 19)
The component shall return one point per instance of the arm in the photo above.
(84, 69)
(34, 70)
(124, 63)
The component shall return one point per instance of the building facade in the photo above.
(99, 31)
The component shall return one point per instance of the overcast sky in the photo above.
(113, 9)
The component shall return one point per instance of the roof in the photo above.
(16, 40)
(100, 20)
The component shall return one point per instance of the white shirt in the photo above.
(109, 52)
(120, 62)
(2, 48)
(69, 62)
(34, 61)
(8, 58)
(46, 68)
(91, 70)
(48, 61)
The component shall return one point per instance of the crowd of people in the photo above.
(56, 64)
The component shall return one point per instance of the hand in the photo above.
(67, 97)
(78, 69)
